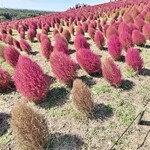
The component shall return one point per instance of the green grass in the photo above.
(125, 113)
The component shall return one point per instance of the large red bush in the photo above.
(99, 39)
(114, 47)
(63, 67)
(138, 38)
(80, 42)
(133, 59)
(30, 80)
(91, 32)
(25, 46)
(111, 72)
(5, 80)
(89, 61)
(11, 55)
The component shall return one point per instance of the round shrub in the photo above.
(146, 31)
(133, 59)
(11, 55)
(63, 67)
(5, 80)
(111, 72)
(89, 61)
(80, 42)
(66, 34)
(31, 35)
(25, 46)
(138, 38)
(114, 47)
(126, 40)
(46, 48)
(99, 39)
(30, 80)
(61, 46)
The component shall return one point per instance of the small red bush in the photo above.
(139, 22)
(111, 72)
(61, 46)
(125, 39)
(138, 38)
(146, 31)
(38, 37)
(71, 29)
(91, 32)
(9, 39)
(110, 31)
(99, 39)
(11, 55)
(46, 48)
(63, 67)
(80, 42)
(133, 59)
(114, 47)
(16, 44)
(79, 30)
(124, 27)
(5, 79)
(22, 35)
(25, 46)
(31, 35)
(85, 27)
(89, 61)
(66, 34)
(30, 80)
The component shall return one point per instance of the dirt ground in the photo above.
(115, 108)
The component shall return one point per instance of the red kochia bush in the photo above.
(111, 72)
(114, 47)
(31, 34)
(139, 22)
(5, 79)
(138, 38)
(63, 67)
(79, 30)
(9, 39)
(110, 31)
(89, 61)
(30, 80)
(125, 39)
(123, 27)
(11, 55)
(25, 46)
(16, 44)
(85, 27)
(46, 48)
(38, 36)
(133, 59)
(99, 39)
(91, 32)
(80, 42)
(66, 34)
(146, 31)
(61, 45)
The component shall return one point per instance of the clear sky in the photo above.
(51, 5)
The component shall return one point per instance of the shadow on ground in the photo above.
(127, 85)
(102, 112)
(59, 141)
(57, 96)
(88, 80)
(145, 72)
(4, 125)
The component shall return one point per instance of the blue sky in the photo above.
(51, 5)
